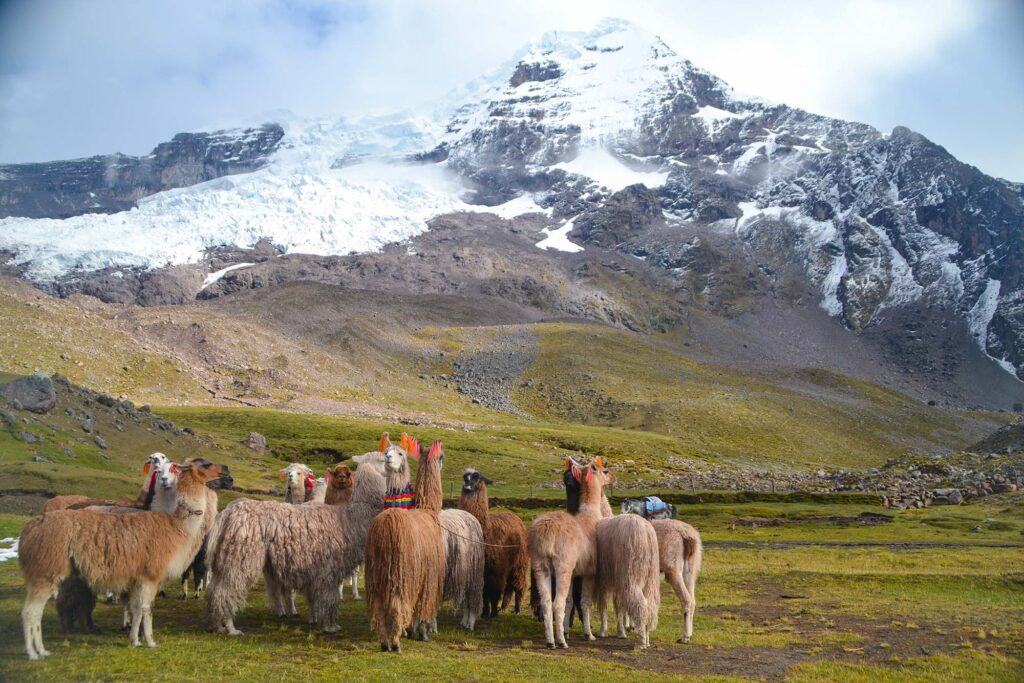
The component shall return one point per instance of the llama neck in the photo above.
(606, 506)
(165, 499)
(572, 493)
(191, 505)
(336, 496)
(591, 494)
(397, 480)
(429, 492)
(476, 503)
(296, 492)
(367, 500)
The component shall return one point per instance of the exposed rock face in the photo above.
(107, 184)
(34, 393)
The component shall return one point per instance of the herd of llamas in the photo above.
(415, 554)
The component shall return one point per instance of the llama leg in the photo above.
(675, 579)
(355, 584)
(562, 587)
(542, 582)
(229, 627)
(136, 612)
(147, 592)
(274, 592)
(32, 620)
(184, 586)
(586, 600)
(691, 588)
(292, 610)
(621, 622)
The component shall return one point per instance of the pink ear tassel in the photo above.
(435, 450)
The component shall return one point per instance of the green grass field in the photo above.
(806, 600)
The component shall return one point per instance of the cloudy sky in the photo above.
(82, 77)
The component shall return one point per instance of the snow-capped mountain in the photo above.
(610, 131)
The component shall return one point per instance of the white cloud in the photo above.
(83, 77)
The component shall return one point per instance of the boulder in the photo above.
(256, 442)
(947, 497)
(34, 393)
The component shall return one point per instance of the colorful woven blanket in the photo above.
(399, 498)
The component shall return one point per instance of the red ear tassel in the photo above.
(309, 481)
(176, 468)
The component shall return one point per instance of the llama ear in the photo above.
(568, 463)
(435, 450)
(176, 468)
(406, 442)
(328, 473)
(145, 468)
(598, 461)
(414, 449)
(487, 481)
(576, 473)
(280, 475)
(384, 442)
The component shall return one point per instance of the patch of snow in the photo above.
(214, 277)
(714, 118)
(981, 314)
(523, 204)
(10, 553)
(904, 288)
(559, 239)
(600, 165)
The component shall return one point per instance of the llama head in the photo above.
(168, 476)
(473, 481)
(297, 476)
(396, 458)
(199, 469)
(340, 477)
(602, 465)
(154, 470)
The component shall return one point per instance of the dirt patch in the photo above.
(863, 519)
(22, 503)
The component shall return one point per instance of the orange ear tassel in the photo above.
(384, 442)
(568, 463)
(145, 468)
(406, 442)
(280, 475)
(414, 449)
(598, 461)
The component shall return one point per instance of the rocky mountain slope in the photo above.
(661, 201)
(112, 183)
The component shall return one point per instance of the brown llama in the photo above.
(506, 561)
(339, 485)
(338, 491)
(561, 546)
(405, 559)
(680, 552)
(115, 552)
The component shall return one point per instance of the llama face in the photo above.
(394, 458)
(203, 469)
(340, 477)
(169, 475)
(474, 481)
(296, 474)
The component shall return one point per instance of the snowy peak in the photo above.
(593, 86)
